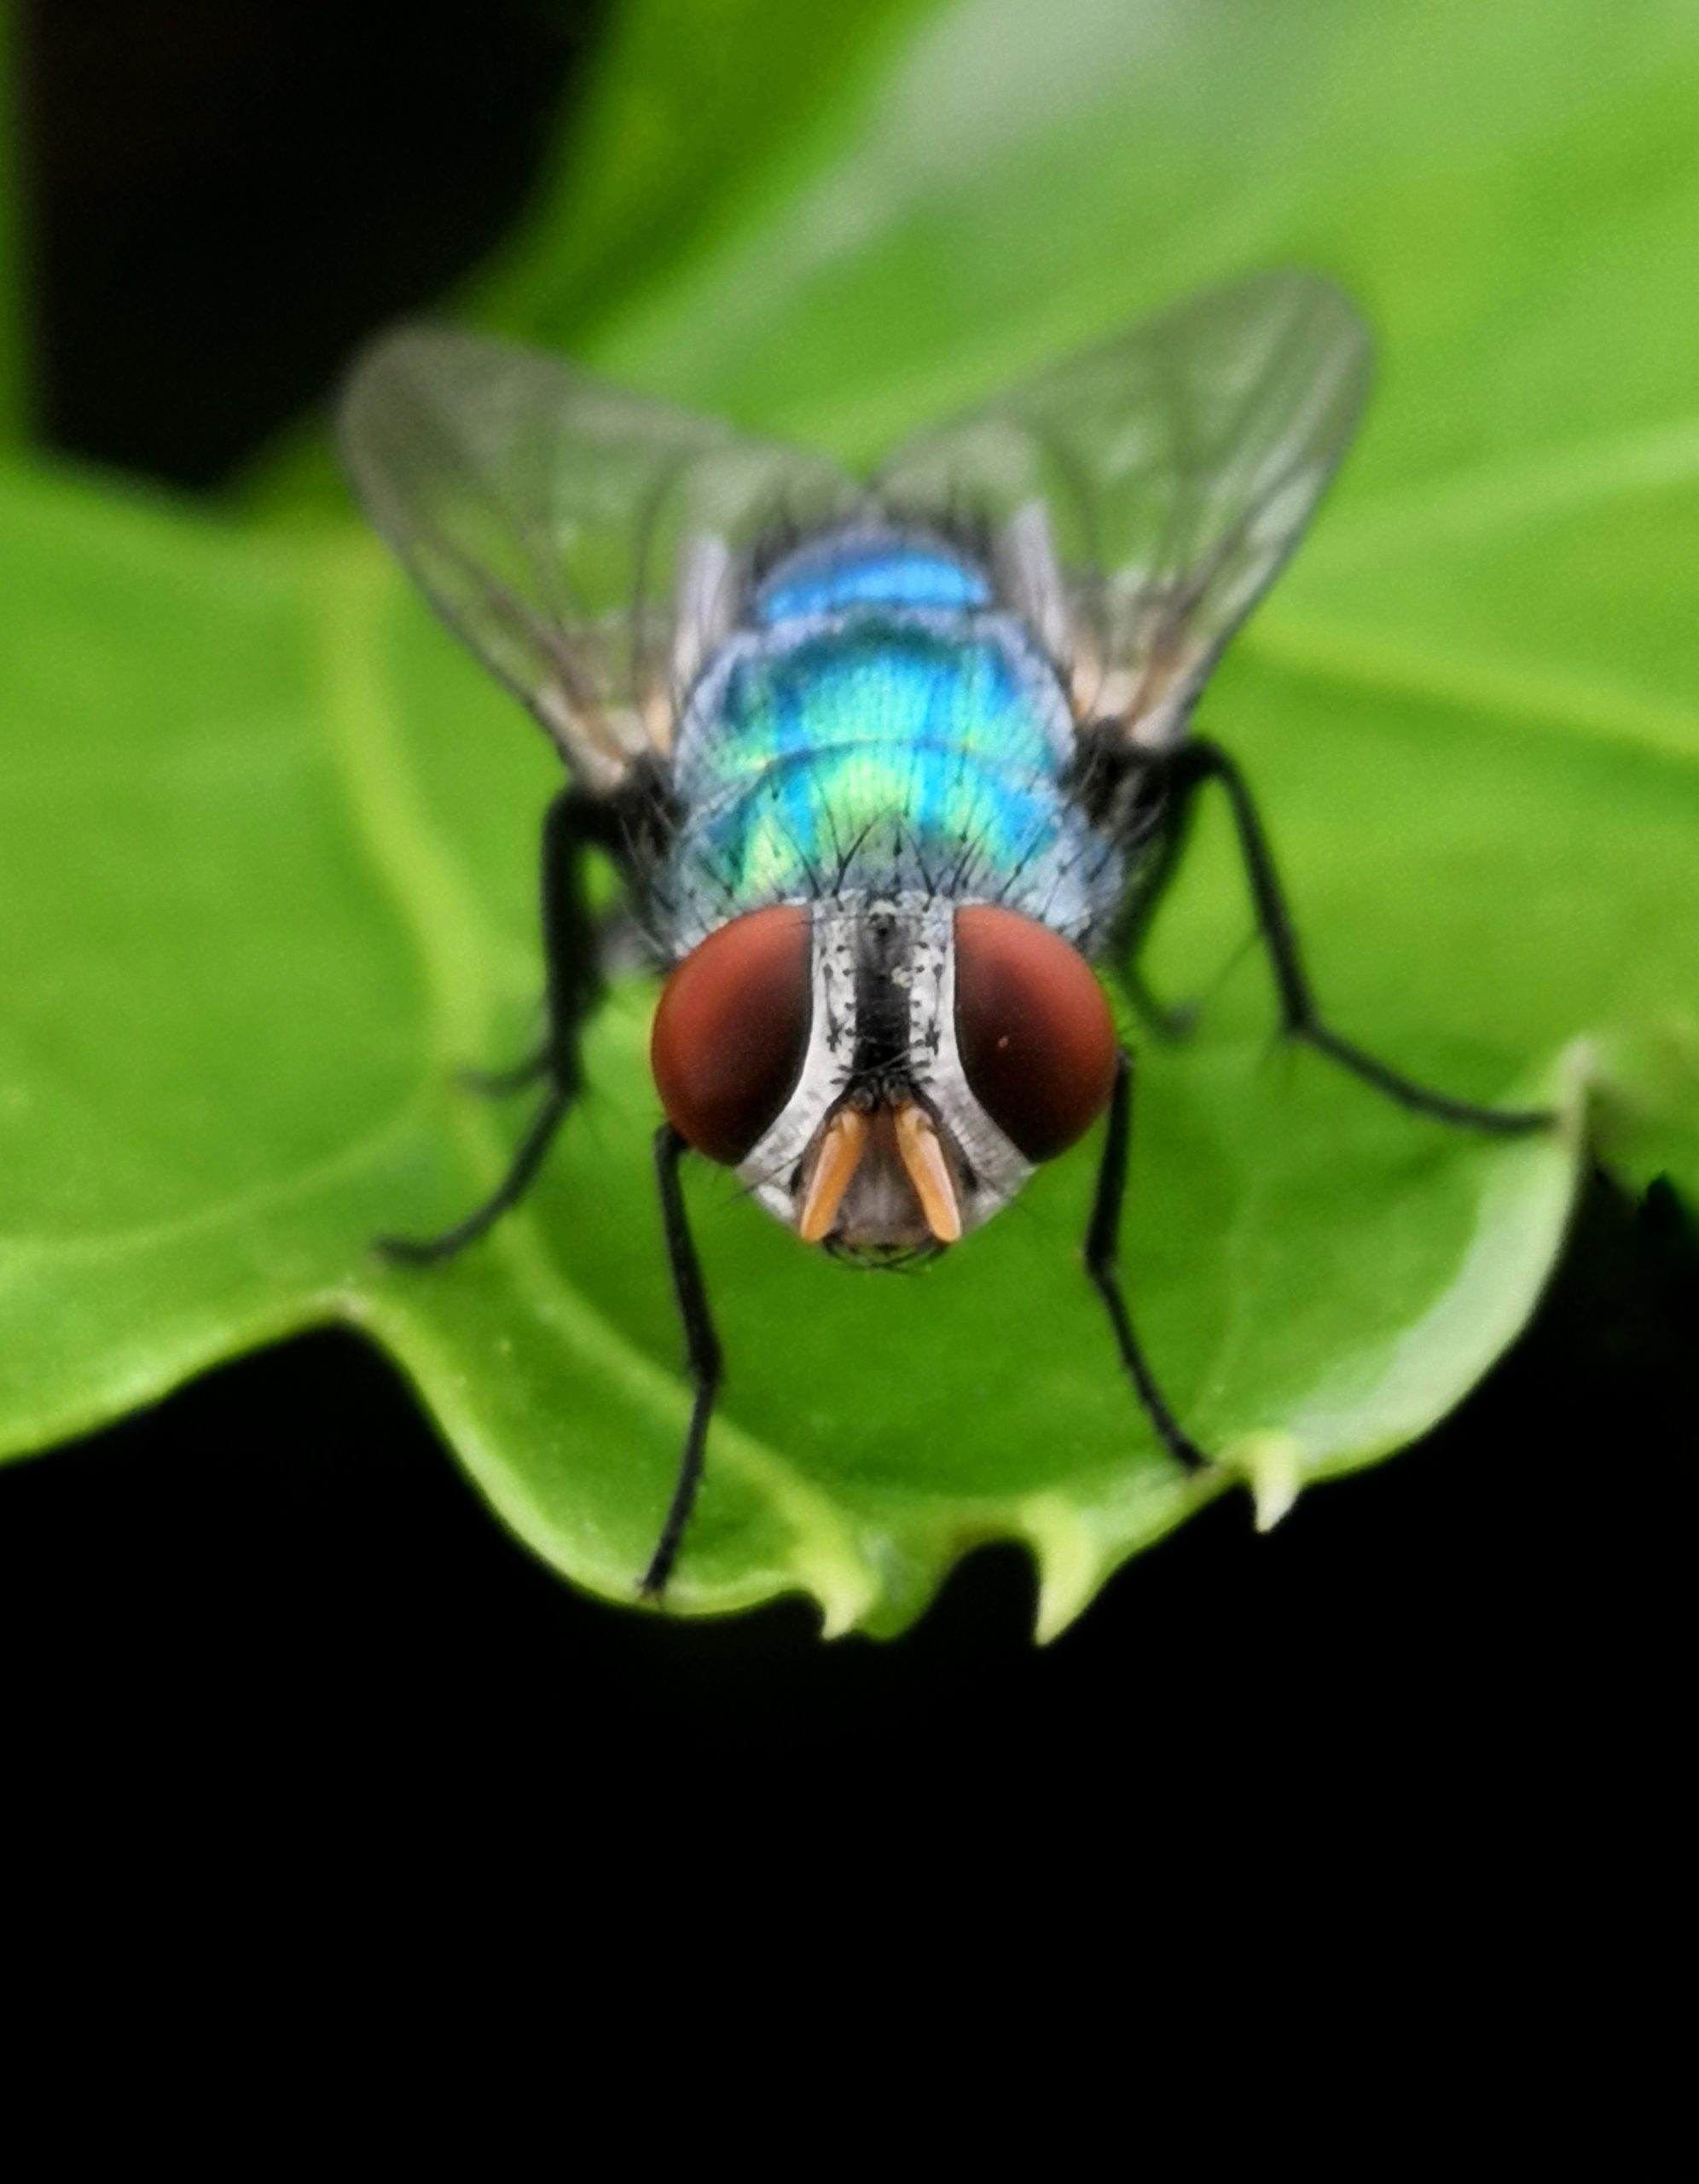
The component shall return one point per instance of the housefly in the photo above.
(896, 771)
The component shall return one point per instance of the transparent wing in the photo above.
(1143, 495)
(587, 545)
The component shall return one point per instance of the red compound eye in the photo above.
(732, 1030)
(1035, 1033)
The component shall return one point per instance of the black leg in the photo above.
(1193, 763)
(1169, 1019)
(427, 1251)
(1102, 1238)
(1174, 793)
(1154, 876)
(702, 1357)
(574, 822)
(502, 1084)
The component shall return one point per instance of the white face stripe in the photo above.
(776, 1157)
(997, 1171)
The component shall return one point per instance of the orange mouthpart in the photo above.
(840, 1155)
(923, 1158)
(846, 1141)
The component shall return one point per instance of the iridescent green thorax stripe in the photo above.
(881, 751)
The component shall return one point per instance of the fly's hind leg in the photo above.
(574, 823)
(1184, 773)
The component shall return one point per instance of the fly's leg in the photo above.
(702, 1357)
(502, 1084)
(1102, 1238)
(1170, 1019)
(619, 945)
(1187, 770)
(574, 823)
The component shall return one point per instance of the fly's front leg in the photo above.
(1102, 1239)
(1193, 763)
(702, 1357)
(574, 823)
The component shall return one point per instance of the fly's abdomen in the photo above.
(882, 752)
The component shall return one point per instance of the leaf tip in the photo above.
(1273, 1470)
(845, 1586)
(1071, 1562)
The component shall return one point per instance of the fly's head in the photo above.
(883, 1076)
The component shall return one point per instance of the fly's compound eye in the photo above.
(1033, 1030)
(732, 1031)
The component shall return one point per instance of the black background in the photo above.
(274, 1593)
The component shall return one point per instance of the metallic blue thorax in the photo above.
(879, 726)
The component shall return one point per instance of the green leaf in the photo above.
(268, 838)
(700, 113)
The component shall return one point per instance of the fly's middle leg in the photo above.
(574, 823)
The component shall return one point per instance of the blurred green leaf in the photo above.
(699, 111)
(269, 839)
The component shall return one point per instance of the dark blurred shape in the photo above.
(227, 193)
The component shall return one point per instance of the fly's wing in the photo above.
(587, 545)
(1143, 495)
